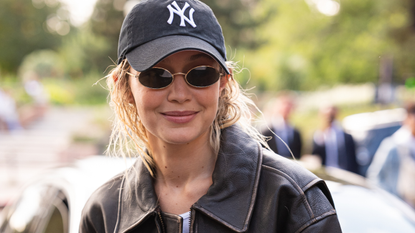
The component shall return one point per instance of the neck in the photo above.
(180, 164)
(183, 173)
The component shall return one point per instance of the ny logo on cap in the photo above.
(180, 12)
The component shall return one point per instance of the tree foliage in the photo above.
(106, 23)
(291, 45)
(23, 29)
(284, 44)
(239, 21)
(306, 49)
(84, 52)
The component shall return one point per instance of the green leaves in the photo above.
(285, 44)
(306, 48)
(23, 29)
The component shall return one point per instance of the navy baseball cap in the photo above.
(155, 29)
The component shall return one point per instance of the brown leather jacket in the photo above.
(253, 190)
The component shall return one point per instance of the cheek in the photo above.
(146, 101)
(210, 99)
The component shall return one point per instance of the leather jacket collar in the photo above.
(229, 200)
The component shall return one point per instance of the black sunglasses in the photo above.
(198, 77)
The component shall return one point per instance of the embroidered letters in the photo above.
(180, 12)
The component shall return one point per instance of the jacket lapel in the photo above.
(137, 199)
(230, 199)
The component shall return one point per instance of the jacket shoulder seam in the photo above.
(286, 176)
(297, 187)
(315, 220)
(311, 184)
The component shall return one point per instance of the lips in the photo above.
(179, 117)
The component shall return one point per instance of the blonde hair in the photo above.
(128, 137)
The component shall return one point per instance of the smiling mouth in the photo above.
(179, 117)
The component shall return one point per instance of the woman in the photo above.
(202, 167)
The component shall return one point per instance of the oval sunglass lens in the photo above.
(155, 78)
(202, 76)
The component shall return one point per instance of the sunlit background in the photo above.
(356, 54)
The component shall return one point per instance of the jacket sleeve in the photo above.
(324, 225)
(100, 212)
(91, 221)
(297, 144)
(323, 216)
(353, 166)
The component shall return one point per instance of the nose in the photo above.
(179, 91)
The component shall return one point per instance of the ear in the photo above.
(114, 77)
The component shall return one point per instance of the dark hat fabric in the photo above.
(155, 29)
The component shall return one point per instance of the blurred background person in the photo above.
(39, 99)
(9, 118)
(281, 126)
(393, 167)
(36, 91)
(335, 147)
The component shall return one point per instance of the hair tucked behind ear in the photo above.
(129, 136)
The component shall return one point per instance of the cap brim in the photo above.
(147, 55)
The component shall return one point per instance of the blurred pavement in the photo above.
(45, 143)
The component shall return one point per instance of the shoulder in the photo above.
(348, 137)
(388, 145)
(108, 190)
(296, 131)
(296, 190)
(279, 167)
(102, 204)
(388, 151)
(386, 159)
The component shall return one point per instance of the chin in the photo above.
(178, 137)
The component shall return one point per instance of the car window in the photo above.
(55, 223)
(40, 208)
(58, 219)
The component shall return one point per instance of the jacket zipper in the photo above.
(190, 220)
(161, 220)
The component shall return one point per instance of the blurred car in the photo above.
(362, 208)
(54, 201)
(369, 129)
